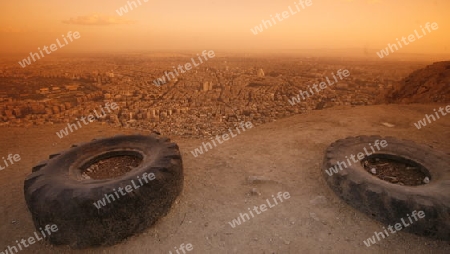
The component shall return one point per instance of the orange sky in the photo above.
(213, 24)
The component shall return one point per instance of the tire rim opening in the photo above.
(396, 170)
(111, 165)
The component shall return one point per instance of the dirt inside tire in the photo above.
(111, 167)
(396, 170)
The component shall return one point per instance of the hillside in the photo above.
(430, 84)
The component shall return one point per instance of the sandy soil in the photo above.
(289, 152)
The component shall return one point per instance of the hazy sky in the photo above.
(212, 24)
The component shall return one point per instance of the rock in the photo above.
(319, 200)
(388, 124)
(255, 192)
(314, 216)
(85, 177)
(258, 180)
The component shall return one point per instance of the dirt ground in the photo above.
(289, 152)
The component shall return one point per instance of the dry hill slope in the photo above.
(431, 84)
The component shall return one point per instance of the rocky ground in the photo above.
(287, 152)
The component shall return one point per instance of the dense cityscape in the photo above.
(201, 102)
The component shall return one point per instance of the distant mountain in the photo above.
(430, 84)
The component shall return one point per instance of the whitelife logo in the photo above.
(129, 188)
(423, 123)
(259, 29)
(411, 38)
(124, 9)
(10, 158)
(181, 250)
(397, 226)
(322, 86)
(199, 151)
(35, 56)
(262, 207)
(377, 144)
(65, 132)
(31, 240)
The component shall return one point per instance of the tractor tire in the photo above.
(387, 202)
(56, 193)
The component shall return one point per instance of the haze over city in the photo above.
(222, 25)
